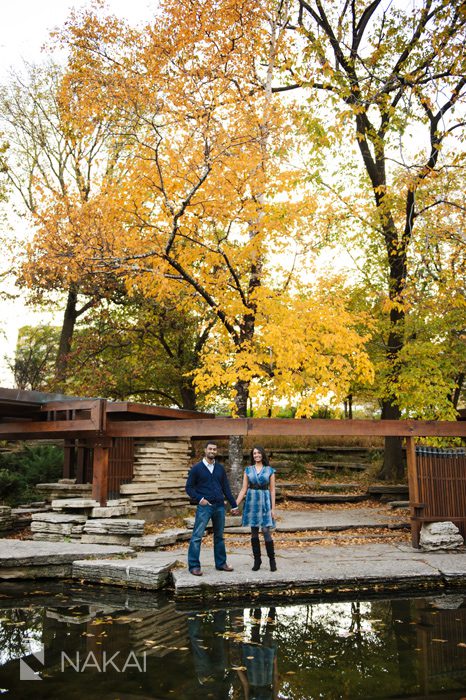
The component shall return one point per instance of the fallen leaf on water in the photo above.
(439, 640)
(239, 668)
(461, 644)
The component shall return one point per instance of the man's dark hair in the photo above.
(210, 442)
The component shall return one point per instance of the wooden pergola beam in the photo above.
(221, 427)
(84, 418)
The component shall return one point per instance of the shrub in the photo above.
(20, 471)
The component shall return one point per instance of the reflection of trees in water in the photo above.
(341, 649)
(18, 627)
(377, 649)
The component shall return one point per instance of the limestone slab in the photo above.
(161, 539)
(24, 553)
(316, 571)
(149, 571)
(57, 518)
(114, 526)
(123, 540)
(74, 503)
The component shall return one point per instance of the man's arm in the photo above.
(191, 484)
(227, 491)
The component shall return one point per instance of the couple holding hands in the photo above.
(208, 486)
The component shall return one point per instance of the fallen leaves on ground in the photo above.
(311, 538)
(24, 534)
(174, 522)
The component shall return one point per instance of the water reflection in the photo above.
(399, 648)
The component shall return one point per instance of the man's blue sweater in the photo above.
(214, 487)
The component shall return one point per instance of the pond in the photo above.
(106, 643)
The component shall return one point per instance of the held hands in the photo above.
(235, 511)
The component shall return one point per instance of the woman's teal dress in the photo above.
(257, 511)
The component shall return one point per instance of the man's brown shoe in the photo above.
(196, 572)
(225, 567)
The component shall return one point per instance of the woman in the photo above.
(259, 508)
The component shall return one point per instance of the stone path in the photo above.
(320, 571)
(317, 571)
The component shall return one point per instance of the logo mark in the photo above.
(26, 673)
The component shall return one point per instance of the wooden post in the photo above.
(68, 452)
(413, 489)
(100, 471)
(81, 448)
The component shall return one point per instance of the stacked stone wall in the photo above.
(160, 471)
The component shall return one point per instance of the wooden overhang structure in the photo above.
(28, 415)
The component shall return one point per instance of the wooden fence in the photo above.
(79, 459)
(437, 487)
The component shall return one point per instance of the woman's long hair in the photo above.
(265, 460)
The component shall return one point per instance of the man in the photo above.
(207, 484)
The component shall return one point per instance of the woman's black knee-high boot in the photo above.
(256, 551)
(271, 554)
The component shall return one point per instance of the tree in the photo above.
(382, 73)
(139, 350)
(33, 363)
(207, 200)
(57, 173)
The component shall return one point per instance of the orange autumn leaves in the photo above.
(195, 195)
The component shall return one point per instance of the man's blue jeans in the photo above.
(203, 515)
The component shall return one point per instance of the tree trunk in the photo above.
(236, 442)
(66, 337)
(455, 397)
(392, 468)
(188, 396)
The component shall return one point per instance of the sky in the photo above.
(24, 30)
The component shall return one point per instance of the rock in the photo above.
(55, 518)
(122, 540)
(148, 570)
(160, 539)
(74, 503)
(230, 521)
(110, 511)
(64, 528)
(448, 602)
(26, 559)
(114, 526)
(443, 535)
(62, 489)
(5, 518)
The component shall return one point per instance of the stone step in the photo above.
(161, 539)
(318, 486)
(332, 466)
(149, 570)
(230, 521)
(348, 449)
(114, 526)
(74, 504)
(24, 559)
(327, 498)
(379, 489)
(398, 504)
(58, 518)
(107, 538)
